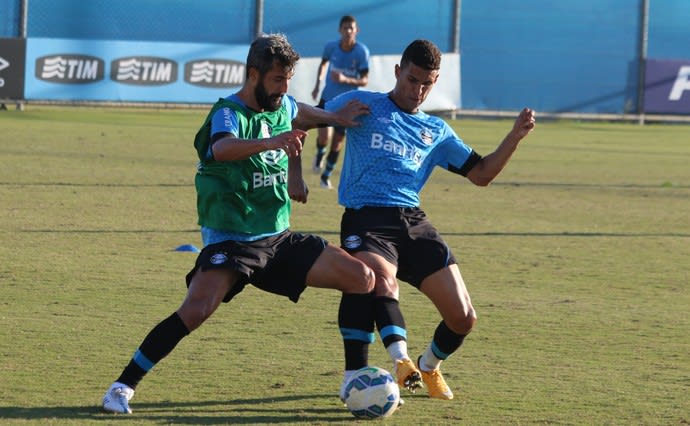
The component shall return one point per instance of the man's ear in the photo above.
(253, 76)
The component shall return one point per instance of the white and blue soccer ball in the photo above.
(372, 393)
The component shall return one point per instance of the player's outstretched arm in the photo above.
(490, 166)
(309, 117)
(231, 148)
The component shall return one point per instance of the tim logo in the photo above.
(73, 69)
(214, 73)
(143, 71)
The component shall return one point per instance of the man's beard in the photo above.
(266, 101)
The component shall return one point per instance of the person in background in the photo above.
(249, 168)
(388, 160)
(347, 61)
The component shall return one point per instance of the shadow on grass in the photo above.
(235, 411)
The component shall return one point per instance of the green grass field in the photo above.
(577, 258)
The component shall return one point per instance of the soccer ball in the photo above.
(372, 393)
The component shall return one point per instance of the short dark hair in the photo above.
(269, 48)
(422, 53)
(346, 19)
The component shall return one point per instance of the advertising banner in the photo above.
(127, 71)
(132, 71)
(12, 56)
(667, 86)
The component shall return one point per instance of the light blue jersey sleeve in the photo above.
(291, 105)
(390, 156)
(225, 119)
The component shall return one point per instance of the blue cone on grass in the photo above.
(188, 247)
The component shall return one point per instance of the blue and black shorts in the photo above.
(402, 235)
(278, 264)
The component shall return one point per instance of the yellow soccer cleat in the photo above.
(436, 384)
(407, 375)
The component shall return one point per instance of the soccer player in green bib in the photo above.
(249, 169)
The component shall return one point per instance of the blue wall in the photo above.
(552, 55)
(669, 29)
(214, 21)
(386, 26)
(10, 13)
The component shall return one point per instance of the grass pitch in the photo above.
(577, 259)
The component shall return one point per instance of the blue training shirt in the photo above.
(391, 155)
(351, 64)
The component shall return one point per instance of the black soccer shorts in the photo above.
(278, 264)
(403, 236)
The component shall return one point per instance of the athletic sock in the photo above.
(320, 152)
(331, 161)
(356, 322)
(391, 326)
(156, 345)
(444, 344)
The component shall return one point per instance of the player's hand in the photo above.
(290, 142)
(315, 92)
(524, 123)
(298, 190)
(350, 112)
(338, 77)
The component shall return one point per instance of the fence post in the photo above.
(644, 34)
(259, 18)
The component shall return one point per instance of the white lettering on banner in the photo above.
(81, 69)
(412, 154)
(229, 74)
(145, 70)
(71, 68)
(3, 64)
(681, 84)
(261, 180)
(215, 73)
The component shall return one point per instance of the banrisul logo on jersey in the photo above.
(272, 157)
(214, 73)
(68, 68)
(426, 136)
(143, 71)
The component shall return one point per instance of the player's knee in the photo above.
(369, 279)
(386, 287)
(363, 277)
(462, 322)
(193, 317)
(194, 312)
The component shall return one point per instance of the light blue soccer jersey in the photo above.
(351, 64)
(389, 158)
